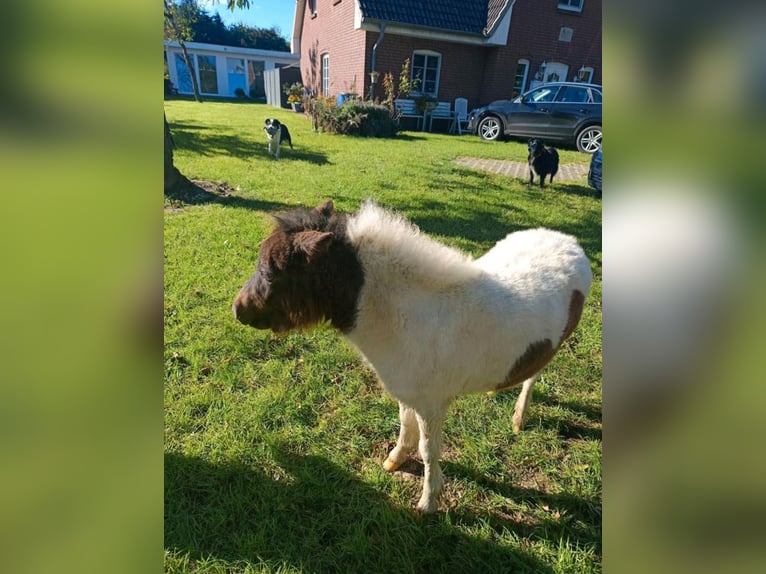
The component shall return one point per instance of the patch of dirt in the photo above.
(410, 470)
(198, 191)
(223, 189)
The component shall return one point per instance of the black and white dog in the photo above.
(277, 133)
(542, 161)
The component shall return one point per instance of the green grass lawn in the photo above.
(274, 445)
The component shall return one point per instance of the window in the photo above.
(425, 70)
(584, 75)
(522, 70)
(208, 75)
(326, 75)
(184, 77)
(255, 82)
(573, 95)
(571, 5)
(542, 95)
(235, 69)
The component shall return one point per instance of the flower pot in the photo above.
(297, 107)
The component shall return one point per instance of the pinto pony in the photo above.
(431, 321)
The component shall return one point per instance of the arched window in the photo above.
(426, 67)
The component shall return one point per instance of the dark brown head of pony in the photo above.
(307, 272)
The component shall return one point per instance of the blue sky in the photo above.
(261, 14)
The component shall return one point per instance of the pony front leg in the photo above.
(408, 439)
(430, 444)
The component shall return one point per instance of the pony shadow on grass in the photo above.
(314, 515)
(582, 526)
(569, 427)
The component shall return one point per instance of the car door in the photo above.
(572, 105)
(530, 115)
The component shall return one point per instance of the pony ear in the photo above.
(312, 243)
(327, 208)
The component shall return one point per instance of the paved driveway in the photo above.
(567, 171)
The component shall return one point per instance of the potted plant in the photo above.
(294, 93)
(425, 103)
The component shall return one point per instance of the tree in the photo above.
(259, 38)
(179, 19)
(174, 179)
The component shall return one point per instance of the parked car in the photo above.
(595, 171)
(563, 112)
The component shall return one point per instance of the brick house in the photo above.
(481, 50)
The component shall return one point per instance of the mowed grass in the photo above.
(273, 445)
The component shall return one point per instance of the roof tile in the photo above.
(466, 16)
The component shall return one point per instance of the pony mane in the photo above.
(387, 238)
(302, 219)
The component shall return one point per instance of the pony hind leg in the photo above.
(409, 436)
(522, 403)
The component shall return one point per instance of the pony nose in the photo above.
(241, 309)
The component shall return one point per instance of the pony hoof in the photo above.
(426, 506)
(390, 466)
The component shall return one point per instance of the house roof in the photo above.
(475, 17)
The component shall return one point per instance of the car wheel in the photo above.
(490, 129)
(589, 139)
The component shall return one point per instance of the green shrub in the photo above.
(354, 117)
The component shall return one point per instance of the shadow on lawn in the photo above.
(202, 140)
(488, 224)
(567, 428)
(318, 517)
(197, 192)
(582, 525)
(570, 188)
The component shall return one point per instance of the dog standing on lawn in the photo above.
(277, 133)
(542, 161)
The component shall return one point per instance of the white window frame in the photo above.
(588, 75)
(326, 75)
(524, 79)
(571, 5)
(413, 76)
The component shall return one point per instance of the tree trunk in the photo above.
(174, 179)
(192, 71)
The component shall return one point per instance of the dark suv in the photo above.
(566, 112)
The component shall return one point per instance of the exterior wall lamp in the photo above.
(373, 80)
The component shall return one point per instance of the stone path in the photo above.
(567, 171)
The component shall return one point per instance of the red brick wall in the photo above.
(461, 67)
(480, 74)
(534, 35)
(331, 31)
